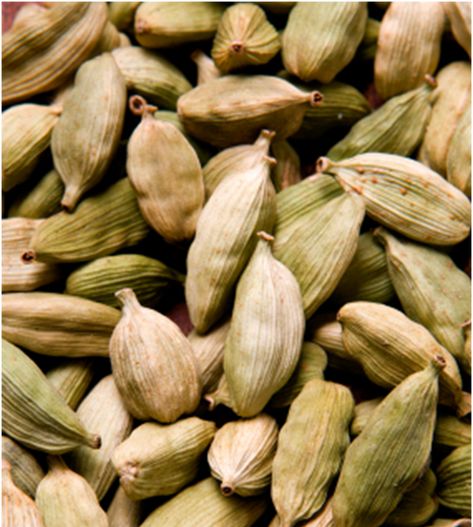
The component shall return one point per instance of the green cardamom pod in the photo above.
(454, 480)
(72, 378)
(459, 154)
(367, 49)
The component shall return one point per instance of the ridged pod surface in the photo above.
(159, 460)
(266, 331)
(454, 480)
(36, 321)
(314, 438)
(86, 136)
(459, 16)
(459, 154)
(406, 196)
(33, 412)
(202, 505)
(152, 363)
(235, 108)
(121, 14)
(41, 51)
(244, 38)
(206, 68)
(320, 39)
(408, 46)
(287, 171)
(123, 512)
(241, 455)
(71, 379)
(391, 452)
(243, 204)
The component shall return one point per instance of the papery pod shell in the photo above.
(159, 460)
(320, 39)
(72, 378)
(206, 68)
(167, 24)
(33, 412)
(324, 518)
(26, 134)
(464, 522)
(221, 395)
(369, 43)
(100, 279)
(242, 204)
(124, 40)
(454, 480)
(367, 277)
(171, 205)
(314, 438)
(37, 322)
(311, 365)
(459, 16)
(208, 350)
(102, 410)
(319, 253)
(39, 53)
(121, 14)
(241, 455)
(244, 38)
(442, 306)
(42, 201)
(203, 505)
(266, 332)
(123, 512)
(151, 75)
(87, 134)
(18, 509)
(146, 346)
(363, 412)
(101, 225)
(381, 464)
(390, 347)
(26, 472)
(408, 46)
(406, 196)
(233, 109)
(17, 274)
(459, 154)
(110, 39)
(65, 498)
(287, 171)
(236, 159)
(452, 98)
(397, 127)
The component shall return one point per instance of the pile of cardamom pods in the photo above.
(291, 182)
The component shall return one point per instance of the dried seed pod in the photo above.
(442, 306)
(109, 39)
(156, 149)
(65, 498)
(101, 225)
(20, 275)
(26, 133)
(18, 509)
(464, 522)
(220, 395)
(25, 470)
(454, 480)
(100, 279)
(146, 346)
(235, 108)
(324, 518)
(319, 253)
(459, 154)
(243, 204)
(159, 460)
(241, 455)
(37, 322)
(167, 24)
(369, 44)
(391, 452)
(391, 347)
(452, 432)
(123, 512)
(71, 378)
(363, 412)
(206, 68)
(408, 46)
(102, 410)
(244, 38)
(202, 505)
(121, 14)
(40, 52)
(459, 16)
(320, 39)
(266, 331)
(287, 171)
(33, 412)
(405, 195)
(314, 438)
(151, 75)
(87, 134)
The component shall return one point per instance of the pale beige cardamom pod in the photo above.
(123, 512)
(459, 16)
(206, 68)
(287, 171)
(121, 14)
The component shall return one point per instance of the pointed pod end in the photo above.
(438, 363)
(315, 99)
(227, 489)
(139, 106)
(265, 236)
(323, 164)
(126, 296)
(430, 81)
(270, 160)
(237, 47)
(70, 199)
(95, 441)
(28, 256)
(267, 134)
(211, 400)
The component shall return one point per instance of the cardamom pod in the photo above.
(314, 439)
(454, 480)
(109, 39)
(459, 154)
(241, 455)
(71, 378)
(459, 16)
(464, 522)
(121, 14)
(206, 68)
(37, 322)
(369, 44)
(33, 412)
(159, 460)
(123, 512)
(145, 347)
(363, 412)
(287, 170)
